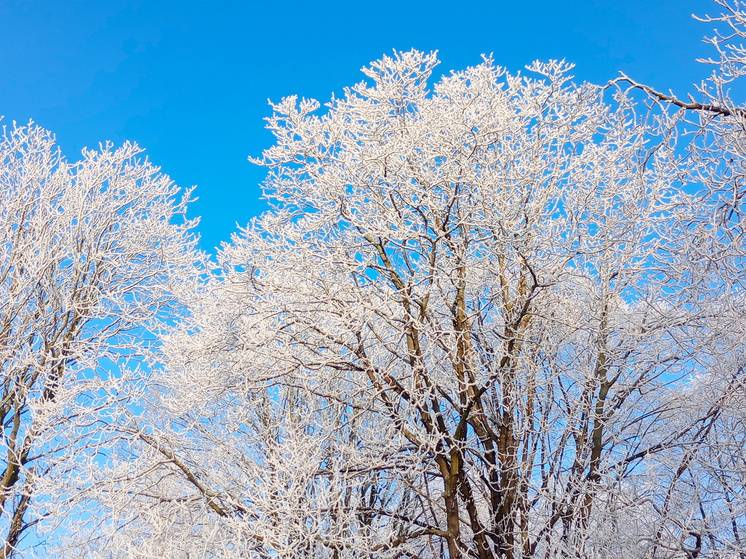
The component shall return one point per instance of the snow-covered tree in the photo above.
(715, 113)
(90, 257)
(488, 315)
(482, 319)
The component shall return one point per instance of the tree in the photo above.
(712, 123)
(718, 117)
(90, 256)
(479, 321)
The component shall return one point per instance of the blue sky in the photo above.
(189, 80)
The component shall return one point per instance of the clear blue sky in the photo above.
(189, 80)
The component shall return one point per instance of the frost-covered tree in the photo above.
(711, 122)
(90, 256)
(715, 113)
(482, 319)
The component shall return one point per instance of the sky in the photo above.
(189, 81)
